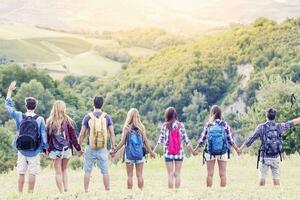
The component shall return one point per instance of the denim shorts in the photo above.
(133, 161)
(173, 159)
(99, 156)
(66, 154)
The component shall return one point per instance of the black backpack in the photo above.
(29, 138)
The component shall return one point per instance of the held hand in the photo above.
(112, 152)
(195, 152)
(79, 153)
(152, 154)
(239, 151)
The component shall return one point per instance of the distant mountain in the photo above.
(179, 16)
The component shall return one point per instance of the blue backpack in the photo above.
(217, 141)
(134, 145)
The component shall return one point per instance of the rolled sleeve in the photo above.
(161, 138)
(184, 135)
(203, 136)
(229, 134)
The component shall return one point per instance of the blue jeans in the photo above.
(99, 156)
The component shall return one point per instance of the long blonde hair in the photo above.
(57, 116)
(133, 119)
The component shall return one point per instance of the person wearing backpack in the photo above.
(134, 137)
(62, 138)
(30, 140)
(172, 135)
(98, 126)
(218, 135)
(270, 134)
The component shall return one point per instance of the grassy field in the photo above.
(242, 183)
(53, 51)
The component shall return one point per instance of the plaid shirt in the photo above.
(164, 139)
(203, 136)
(281, 128)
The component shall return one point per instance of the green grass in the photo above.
(91, 63)
(26, 51)
(242, 183)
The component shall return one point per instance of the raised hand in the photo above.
(12, 86)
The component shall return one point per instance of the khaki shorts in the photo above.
(223, 157)
(273, 164)
(32, 164)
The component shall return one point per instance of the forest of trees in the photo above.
(191, 77)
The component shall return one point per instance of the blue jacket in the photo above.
(17, 116)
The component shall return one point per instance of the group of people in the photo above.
(57, 138)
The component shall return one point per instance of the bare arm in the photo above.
(112, 135)
(122, 142)
(82, 135)
(146, 142)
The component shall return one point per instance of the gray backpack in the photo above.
(271, 142)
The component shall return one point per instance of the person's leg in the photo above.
(263, 172)
(129, 170)
(22, 168)
(139, 175)
(276, 172)
(177, 172)
(57, 163)
(21, 182)
(222, 172)
(64, 166)
(31, 183)
(33, 170)
(170, 170)
(103, 165)
(210, 164)
(87, 177)
(89, 161)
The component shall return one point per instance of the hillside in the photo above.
(61, 53)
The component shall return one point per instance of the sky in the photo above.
(179, 16)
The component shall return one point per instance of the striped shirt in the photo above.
(203, 136)
(164, 139)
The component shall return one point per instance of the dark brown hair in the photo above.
(170, 116)
(30, 103)
(215, 113)
(98, 102)
(271, 114)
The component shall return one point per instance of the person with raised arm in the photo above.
(30, 140)
(270, 134)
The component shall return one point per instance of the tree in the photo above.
(35, 89)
